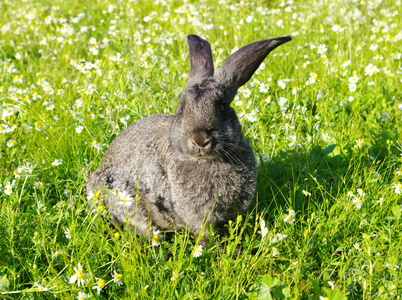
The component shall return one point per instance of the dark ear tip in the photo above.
(281, 40)
(193, 37)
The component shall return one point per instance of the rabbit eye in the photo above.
(221, 108)
(182, 109)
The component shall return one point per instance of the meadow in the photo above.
(323, 114)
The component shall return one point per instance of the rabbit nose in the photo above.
(200, 142)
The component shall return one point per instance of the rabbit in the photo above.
(192, 168)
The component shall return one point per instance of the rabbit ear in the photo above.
(201, 62)
(241, 65)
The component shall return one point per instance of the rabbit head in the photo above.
(205, 125)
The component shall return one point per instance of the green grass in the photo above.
(57, 73)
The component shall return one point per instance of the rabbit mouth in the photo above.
(197, 152)
(204, 157)
(202, 152)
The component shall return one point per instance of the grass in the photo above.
(327, 133)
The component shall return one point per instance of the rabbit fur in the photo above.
(192, 168)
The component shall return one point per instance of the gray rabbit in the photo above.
(191, 168)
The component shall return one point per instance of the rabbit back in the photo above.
(133, 166)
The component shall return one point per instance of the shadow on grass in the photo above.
(325, 172)
(282, 181)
